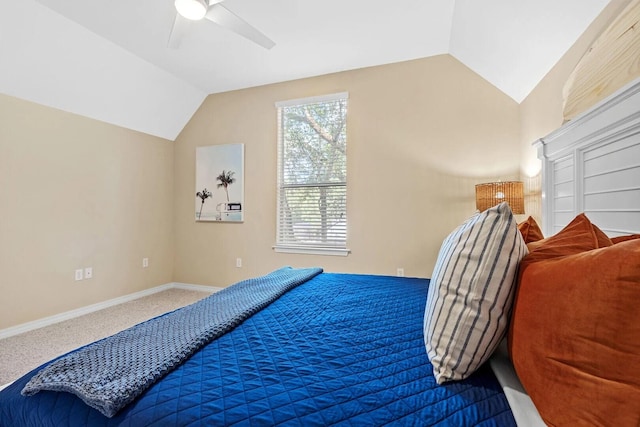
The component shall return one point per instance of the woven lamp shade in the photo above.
(493, 193)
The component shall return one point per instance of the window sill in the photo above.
(310, 250)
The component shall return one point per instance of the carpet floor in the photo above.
(20, 354)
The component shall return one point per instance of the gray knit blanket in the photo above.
(110, 373)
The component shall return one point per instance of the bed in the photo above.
(344, 349)
(338, 349)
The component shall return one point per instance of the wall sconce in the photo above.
(493, 193)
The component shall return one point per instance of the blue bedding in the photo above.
(339, 349)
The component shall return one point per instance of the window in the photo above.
(312, 175)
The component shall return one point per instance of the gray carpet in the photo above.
(21, 353)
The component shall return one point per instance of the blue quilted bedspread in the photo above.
(337, 350)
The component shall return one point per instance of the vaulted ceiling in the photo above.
(110, 60)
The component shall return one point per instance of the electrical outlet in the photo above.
(400, 272)
(88, 272)
(238, 262)
(79, 274)
(145, 262)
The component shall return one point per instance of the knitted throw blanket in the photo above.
(110, 373)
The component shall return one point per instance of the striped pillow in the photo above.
(471, 292)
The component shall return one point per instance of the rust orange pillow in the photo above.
(603, 239)
(620, 239)
(530, 230)
(575, 336)
(578, 236)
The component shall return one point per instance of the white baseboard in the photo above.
(46, 321)
(190, 287)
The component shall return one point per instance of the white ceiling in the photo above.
(109, 59)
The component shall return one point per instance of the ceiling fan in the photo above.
(213, 10)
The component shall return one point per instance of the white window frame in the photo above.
(285, 247)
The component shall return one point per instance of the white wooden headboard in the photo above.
(592, 164)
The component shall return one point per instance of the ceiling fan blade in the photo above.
(224, 17)
(179, 29)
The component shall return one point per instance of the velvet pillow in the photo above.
(471, 293)
(601, 237)
(575, 336)
(530, 230)
(578, 236)
(620, 239)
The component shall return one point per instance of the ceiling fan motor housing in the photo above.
(192, 9)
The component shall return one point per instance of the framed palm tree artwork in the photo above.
(219, 194)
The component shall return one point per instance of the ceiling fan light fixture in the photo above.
(192, 9)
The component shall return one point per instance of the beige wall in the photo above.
(420, 135)
(74, 193)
